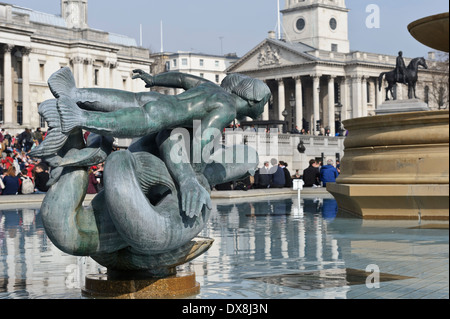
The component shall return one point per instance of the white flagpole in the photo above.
(279, 22)
(162, 41)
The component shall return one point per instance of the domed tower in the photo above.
(321, 24)
(75, 12)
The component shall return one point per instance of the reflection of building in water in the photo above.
(266, 237)
(30, 265)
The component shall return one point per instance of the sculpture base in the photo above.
(427, 202)
(181, 285)
(395, 166)
(401, 106)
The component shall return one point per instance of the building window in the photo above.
(41, 118)
(334, 47)
(202, 75)
(1, 113)
(184, 62)
(41, 121)
(217, 78)
(19, 69)
(337, 93)
(42, 71)
(174, 63)
(368, 92)
(427, 94)
(217, 64)
(19, 113)
(96, 75)
(441, 97)
(202, 62)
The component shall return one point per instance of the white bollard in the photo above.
(298, 186)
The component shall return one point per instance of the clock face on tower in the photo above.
(333, 24)
(300, 25)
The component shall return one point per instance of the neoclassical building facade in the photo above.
(316, 81)
(35, 44)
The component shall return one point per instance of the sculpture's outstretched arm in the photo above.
(175, 80)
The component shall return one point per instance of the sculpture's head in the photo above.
(400, 53)
(255, 94)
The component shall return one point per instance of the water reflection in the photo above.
(267, 237)
(270, 234)
(30, 265)
(253, 239)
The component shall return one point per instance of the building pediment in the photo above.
(272, 54)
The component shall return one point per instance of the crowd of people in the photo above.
(275, 174)
(317, 175)
(21, 174)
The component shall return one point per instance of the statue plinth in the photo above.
(402, 106)
(396, 166)
(177, 286)
(152, 283)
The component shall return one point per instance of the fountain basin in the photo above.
(396, 166)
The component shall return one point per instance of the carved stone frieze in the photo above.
(269, 56)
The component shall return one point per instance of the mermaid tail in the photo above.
(55, 139)
(63, 87)
(148, 218)
(62, 83)
(71, 115)
(134, 224)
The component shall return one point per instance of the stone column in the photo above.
(107, 74)
(345, 89)
(316, 103)
(90, 72)
(372, 98)
(331, 108)
(7, 78)
(379, 93)
(356, 96)
(77, 63)
(298, 103)
(400, 91)
(26, 107)
(281, 99)
(364, 97)
(265, 115)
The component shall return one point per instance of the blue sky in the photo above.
(199, 25)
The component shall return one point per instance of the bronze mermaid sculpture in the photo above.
(156, 196)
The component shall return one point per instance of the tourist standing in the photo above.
(92, 183)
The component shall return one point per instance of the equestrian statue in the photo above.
(404, 75)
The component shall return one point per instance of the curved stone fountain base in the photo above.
(396, 166)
